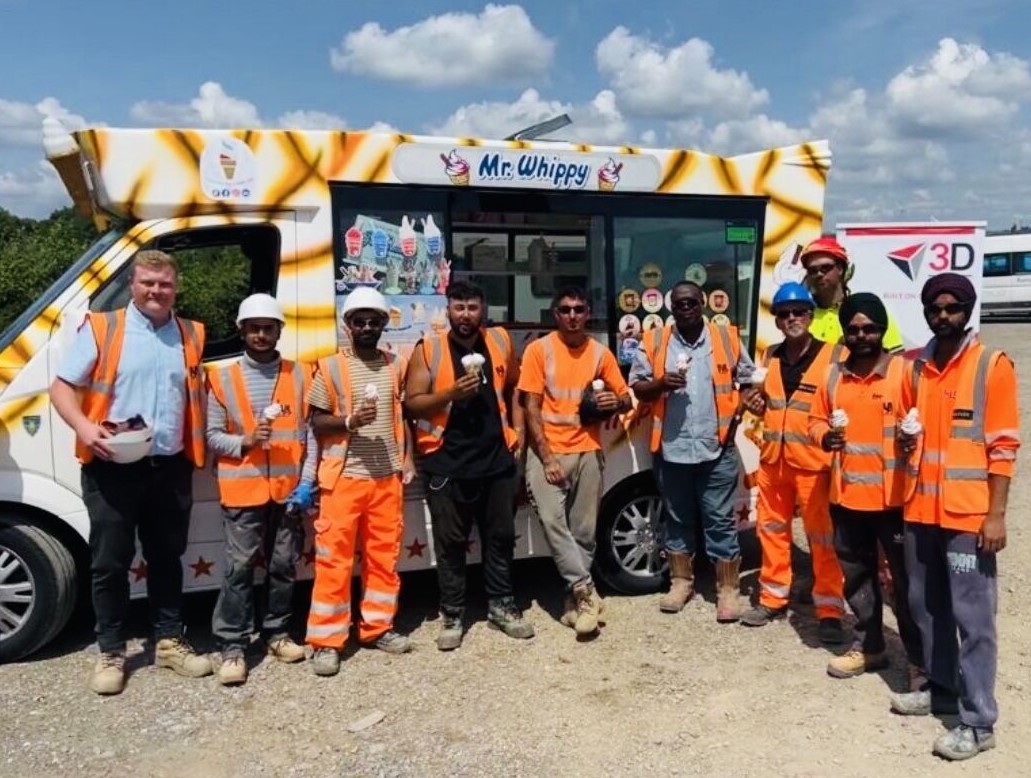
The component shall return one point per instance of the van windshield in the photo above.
(67, 277)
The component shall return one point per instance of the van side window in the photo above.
(997, 265)
(218, 267)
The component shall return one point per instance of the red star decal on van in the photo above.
(139, 572)
(201, 567)
(415, 548)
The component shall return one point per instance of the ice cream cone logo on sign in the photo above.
(228, 165)
(457, 169)
(608, 175)
(228, 170)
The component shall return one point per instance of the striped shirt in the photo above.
(259, 379)
(372, 451)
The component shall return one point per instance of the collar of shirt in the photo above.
(135, 316)
(703, 338)
(256, 365)
(880, 369)
(927, 355)
(479, 345)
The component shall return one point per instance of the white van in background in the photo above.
(1007, 275)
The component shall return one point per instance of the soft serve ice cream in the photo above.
(839, 420)
(457, 169)
(911, 423)
(759, 374)
(683, 363)
(473, 364)
(608, 175)
(598, 385)
(270, 414)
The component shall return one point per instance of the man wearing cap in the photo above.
(265, 455)
(960, 462)
(793, 472)
(141, 360)
(355, 402)
(828, 271)
(854, 416)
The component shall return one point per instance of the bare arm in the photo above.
(65, 400)
(535, 426)
(420, 402)
(992, 538)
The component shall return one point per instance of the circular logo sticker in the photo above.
(650, 275)
(719, 301)
(721, 320)
(651, 300)
(670, 321)
(630, 326)
(696, 273)
(629, 300)
(652, 321)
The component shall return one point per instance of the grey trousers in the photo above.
(247, 531)
(568, 514)
(952, 587)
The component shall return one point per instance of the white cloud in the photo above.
(650, 80)
(741, 136)
(311, 120)
(21, 123)
(452, 49)
(212, 107)
(35, 192)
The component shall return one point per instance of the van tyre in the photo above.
(629, 557)
(37, 589)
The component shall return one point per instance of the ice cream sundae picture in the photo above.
(406, 236)
(431, 234)
(457, 169)
(353, 241)
(608, 175)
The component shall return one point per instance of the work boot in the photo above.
(728, 590)
(924, 703)
(450, 636)
(855, 662)
(917, 678)
(391, 642)
(177, 655)
(761, 615)
(233, 670)
(588, 608)
(325, 661)
(504, 614)
(285, 649)
(681, 583)
(568, 618)
(108, 673)
(831, 632)
(964, 742)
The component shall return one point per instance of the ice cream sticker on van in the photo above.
(228, 170)
(536, 168)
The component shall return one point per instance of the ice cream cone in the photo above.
(229, 170)
(606, 186)
(73, 176)
(459, 179)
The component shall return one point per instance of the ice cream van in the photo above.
(309, 217)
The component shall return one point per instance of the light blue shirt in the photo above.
(151, 376)
(690, 426)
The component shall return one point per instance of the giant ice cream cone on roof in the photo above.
(63, 153)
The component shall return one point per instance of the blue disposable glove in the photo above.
(302, 497)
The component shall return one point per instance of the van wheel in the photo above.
(37, 589)
(629, 557)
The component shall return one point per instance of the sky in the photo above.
(926, 103)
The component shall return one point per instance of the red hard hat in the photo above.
(827, 246)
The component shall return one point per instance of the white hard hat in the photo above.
(130, 446)
(368, 298)
(260, 306)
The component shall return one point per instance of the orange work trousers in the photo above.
(356, 511)
(782, 488)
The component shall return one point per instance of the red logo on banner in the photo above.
(908, 259)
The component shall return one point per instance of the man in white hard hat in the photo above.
(258, 432)
(365, 459)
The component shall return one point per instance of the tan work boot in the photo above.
(285, 650)
(108, 673)
(569, 612)
(681, 583)
(855, 662)
(728, 590)
(588, 608)
(177, 655)
(233, 670)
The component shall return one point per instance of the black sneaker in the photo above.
(504, 615)
(761, 615)
(831, 633)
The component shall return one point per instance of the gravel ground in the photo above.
(671, 694)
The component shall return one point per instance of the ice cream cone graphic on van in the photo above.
(608, 175)
(228, 165)
(457, 169)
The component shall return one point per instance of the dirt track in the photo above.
(668, 695)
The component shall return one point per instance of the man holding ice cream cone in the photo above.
(265, 455)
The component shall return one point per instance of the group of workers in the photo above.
(880, 455)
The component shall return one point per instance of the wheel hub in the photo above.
(17, 592)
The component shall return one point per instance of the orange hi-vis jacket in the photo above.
(338, 384)
(786, 422)
(429, 433)
(109, 333)
(726, 350)
(262, 474)
(868, 475)
(970, 417)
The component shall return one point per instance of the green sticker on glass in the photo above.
(739, 233)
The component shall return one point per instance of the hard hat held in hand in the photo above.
(131, 439)
(260, 306)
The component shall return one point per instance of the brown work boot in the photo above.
(285, 650)
(855, 662)
(728, 590)
(233, 670)
(109, 673)
(681, 583)
(569, 612)
(177, 655)
(588, 608)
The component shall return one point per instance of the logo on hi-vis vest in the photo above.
(908, 259)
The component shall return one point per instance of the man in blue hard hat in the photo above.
(794, 473)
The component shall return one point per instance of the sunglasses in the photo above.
(360, 323)
(566, 310)
(823, 269)
(950, 308)
(793, 313)
(864, 329)
(685, 304)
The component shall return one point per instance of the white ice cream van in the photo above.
(310, 216)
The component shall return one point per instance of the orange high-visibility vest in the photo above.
(262, 474)
(726, 350)
(954, 469)
(867, 475)
(436, 350)
(786, 422)
(561, 403)
(335, 373)
(109, 333)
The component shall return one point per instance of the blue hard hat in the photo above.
(793, 292)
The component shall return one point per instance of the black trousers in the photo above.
(455, 505)
(150, 499)
(856, 537)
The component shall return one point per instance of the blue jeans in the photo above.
(703, 491)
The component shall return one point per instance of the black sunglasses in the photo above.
(566, 310)
(685, 303)
(819, 270)
(797, 313)
(864, 329)
(950, 308)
